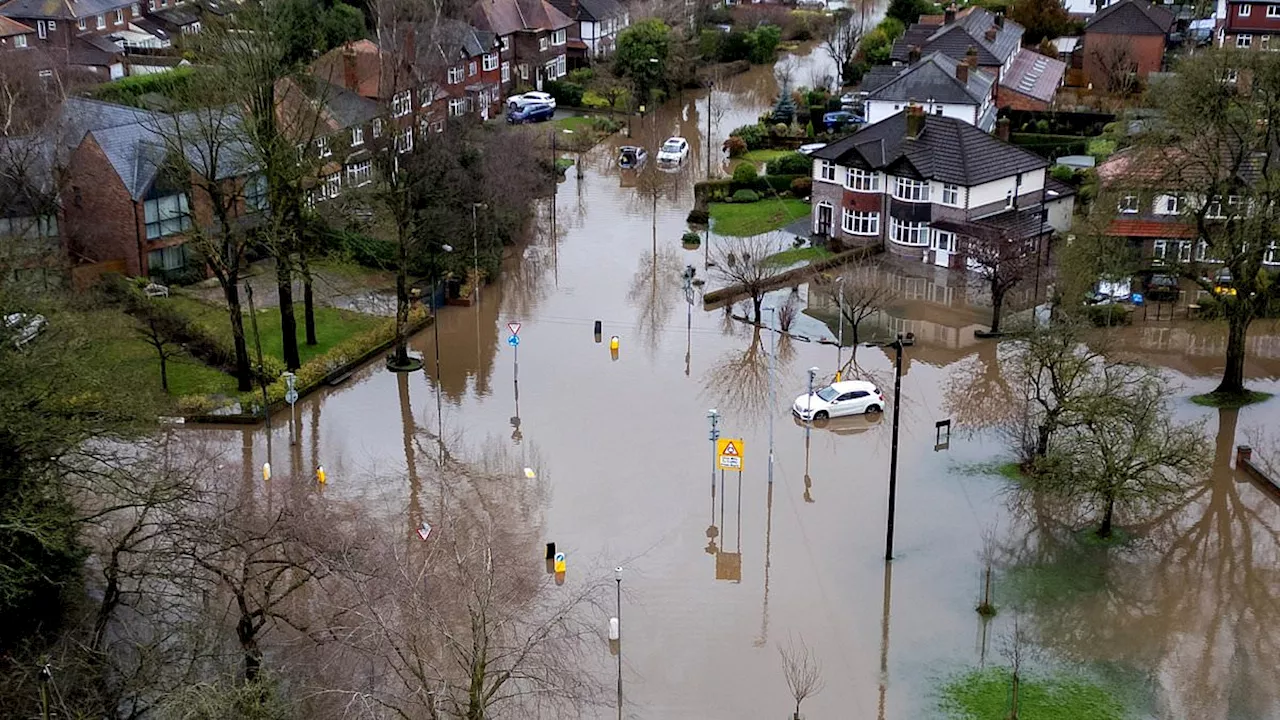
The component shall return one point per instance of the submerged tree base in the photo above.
(411, 365)
(1230, 401)
(984, 695)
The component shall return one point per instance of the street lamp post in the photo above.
(773, 314)
(897, 345)
(475, 247)
(617, 577)
(714, 416)
(435, 332)
(840, 330)
(813, 372)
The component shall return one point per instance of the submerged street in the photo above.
(717, 572)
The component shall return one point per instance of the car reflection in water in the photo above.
(849, 425)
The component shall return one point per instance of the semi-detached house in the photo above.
(534, 38)
(927, 186)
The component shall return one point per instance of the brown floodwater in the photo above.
(717, 571)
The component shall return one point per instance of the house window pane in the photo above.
(167, 259)
(861, 223)
(951, 194)
(165, 216)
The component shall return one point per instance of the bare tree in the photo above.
(841, 42)
(987, 555)
(1001, 260)
(1116, 62)
(742, 263)
(1015, 648)
(859, 290)
(802, 671)
(151, 333)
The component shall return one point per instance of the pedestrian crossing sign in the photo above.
(729, 452)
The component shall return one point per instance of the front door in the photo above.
(823, 226)
(944, 244)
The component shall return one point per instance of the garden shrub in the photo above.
(801, 187)
(746, 196)
(754, 136)
(735, 146)
(565, 93)
(745, 173)
(581, 76)
(691, 238)
(698, 217)
(789, 164)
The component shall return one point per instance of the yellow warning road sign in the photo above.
(729, 452)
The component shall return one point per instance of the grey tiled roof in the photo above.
(59, 9)
(590, 10)
(455, 35)
(1131, 17)
(78, 116)
(955, 39)
(877, 76)
(348, 108)
(947, 150)
(934, 78)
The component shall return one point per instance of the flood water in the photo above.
(718, 572)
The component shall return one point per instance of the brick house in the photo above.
(598, 25)
(1251, 25)
(534, 38)
(924, 186)
(1125, 39)
(15, 36)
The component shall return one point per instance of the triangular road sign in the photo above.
(730, 449)
(514, 327)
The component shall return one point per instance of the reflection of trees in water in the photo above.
(524, 280)
(739, 381)
(977, 394)
(655, 289)
(1194, 602)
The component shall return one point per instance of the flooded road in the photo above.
(718, 571)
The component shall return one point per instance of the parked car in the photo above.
(840, 118)
(673, 151)
(530, 113)
(531, 98)
(24, 327)
(1160, 287)
(810, 148)
(1223, 284)
(631, 157)
(851, 397)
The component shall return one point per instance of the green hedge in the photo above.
(789, 164)
(129, 90)
(1051, 146)
(565, 93)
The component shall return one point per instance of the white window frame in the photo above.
(1245, 9)
(559, 37)
(322, 147)
(951, 194)
(860, 223)
(360, 174)
(826, 171)
(42, 30)
(524, 71)
(471, 68)
(357, 136)
(19, 41)
(543, 44)
(489, 62)
(404, 141)
(53, 26)
(1170, 204)
(561, 66)
(1272, 257)
(1231, 75)
(331, 186)
(82, 24)
(860, 180)
(1273, 11)
(1244, 41)
(402, 103)
(457, 107)
(506, 72)
(911, 190)
(102, 21)
(909, 234)
(1128, 205)
(169, 215)
(455, 75)
(119, 16)
(377, 127)
(46, 74)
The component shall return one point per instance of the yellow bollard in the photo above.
(266, 471)
(560, 563)
(613, 343)
(837, 376)
(320, 475)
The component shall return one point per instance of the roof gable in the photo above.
(934, 78)
(505, 17)
(1131, 17)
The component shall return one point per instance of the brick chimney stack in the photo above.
(991, 34)
(350, 73)
(913, 54)
(949, 15)
(971, 57)
(962, 73)
(915, 121)
(1002, 129)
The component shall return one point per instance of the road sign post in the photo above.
(729, 454)
(291, 397)
(514, 342)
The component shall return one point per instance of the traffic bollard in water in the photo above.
(560, 563)
(551, 551)
(266, 471)
(320, 477)
(613, 343)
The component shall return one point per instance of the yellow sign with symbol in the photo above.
(729, 452)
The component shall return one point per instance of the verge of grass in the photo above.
(985, 695)
(1008, 470)
(792, 256)
(763, 156)
(117, 342)
(746, 219)
(577, 124)
(1230, 401)
(332, 327)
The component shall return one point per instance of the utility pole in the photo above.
(617, 576)
(773, 313)
(897, 346)
(840, 331)
(714, 416)
(711, 85)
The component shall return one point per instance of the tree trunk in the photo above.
(1042, 439)
(244, 374)
(756, 301)
(402, 303)
(1233, 374)
(1013, 710)
(1104, 531)
(308, 299)
(247, 635)
(997, 305)
(164, 371)
(288, 322)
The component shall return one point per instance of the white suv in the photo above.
(515, 102)
(852, 397)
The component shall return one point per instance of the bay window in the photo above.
(861, 223)
(862, 180)
(909, 233)
(911, 190)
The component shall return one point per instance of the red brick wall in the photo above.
(1147, 51)
(102, 221)
(1016, 100)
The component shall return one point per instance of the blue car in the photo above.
(840, 118)
(533, 112)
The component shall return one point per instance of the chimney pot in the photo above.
(915, 121)
(949, 16)
(1000, 20)
(350, 73)
(1002, 129)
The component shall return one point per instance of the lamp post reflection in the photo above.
(884, 638)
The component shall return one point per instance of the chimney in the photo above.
(1002, 129)
(915, 121)
(913, 54)
(1000, 20)
(949, 16)
(962, 73)
(350, 75)
(573, 9)
(991, 34)
(971, 57)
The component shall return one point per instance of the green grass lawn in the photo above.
(1101, 148)
(763, 156)
(1230, 402)
(118, 343)
(579, 124)
(985, 695)
(745, 219)
(797, 255)
(332, 326)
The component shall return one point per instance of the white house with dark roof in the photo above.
(937, 83)
(599, 23)
(928, 186)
